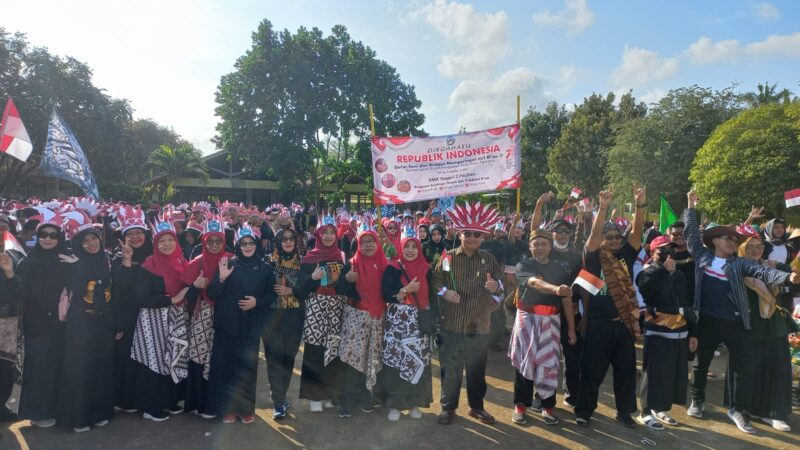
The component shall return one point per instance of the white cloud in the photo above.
(652, 96)
(706, 51)
(481, 38)
(575, 17)
(767, 12)
(641, 67)
(488, 103)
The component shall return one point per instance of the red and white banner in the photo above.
(591, 283)
(792, 198)
(408, 169)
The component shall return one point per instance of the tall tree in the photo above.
(540, 131)
(580, 154)
(177, 162)
(766, 94)
(291, 91)
(658, 150)
(752, 159)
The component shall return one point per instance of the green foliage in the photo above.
(658, 150)
(580, 154)
(749, 160)
(765, 95)
(177, 162)
(540, 130)
(292, 92)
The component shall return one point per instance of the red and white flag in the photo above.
(14, 139)
(576, 193)
(792, 198)
(445, 261)
(10, 243)
(591, 283)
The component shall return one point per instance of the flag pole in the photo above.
(518, 189)
(374, 200)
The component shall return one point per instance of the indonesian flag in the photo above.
(11, 243)
(575, 193)
(14, 138)
(445, 261)
(591, 283)
(792, 198)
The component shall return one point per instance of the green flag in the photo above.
(666, 217)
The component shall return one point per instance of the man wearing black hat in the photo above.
(721, 299)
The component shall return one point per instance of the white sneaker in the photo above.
(162, 418)
(696, 409)
(777, 424)
(47, 423)
(327, 404)
(102, 423)
(207, 416)
(741, 423)
(394, 415)
(315, 406)
(415, 413)
(81, 429)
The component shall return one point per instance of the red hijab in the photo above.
(393, 238)
(320, 253)
(207, 262)
(169, 267)
(418, 268)
(370, 274)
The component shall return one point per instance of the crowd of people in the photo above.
(177, 300)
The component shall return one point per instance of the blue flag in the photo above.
(63, 157)
(445, 203)
(388, 210)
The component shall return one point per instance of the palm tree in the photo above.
(767, 94)
(183, 161)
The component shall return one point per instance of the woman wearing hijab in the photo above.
(390, 238)
(135, 247)
(769, 329)
(243, 290)
(43, 277)
(87, 388)
(424, 233)
(319, 272)
(432, 250)
(160, 339)
(362, 324)
(780, 251)
(284, 325)
(201, 330)
(346, 233)
(405, 380)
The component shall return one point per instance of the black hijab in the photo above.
(436, 247)
(43, 269)
(247, 262)
(90, 268)
(279, 251)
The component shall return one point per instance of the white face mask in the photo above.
(559, 246)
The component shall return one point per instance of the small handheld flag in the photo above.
(792, 198)
(445, 261)
(591, 283)
(575, 193)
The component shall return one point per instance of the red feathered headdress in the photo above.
(474, 217)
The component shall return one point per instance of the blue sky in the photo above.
(467, 60)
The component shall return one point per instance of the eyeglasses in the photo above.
(45, 235)
(214, 242)
(247, 244)
(472, 234)
(563, 231)
(287, 239)
(613, 237)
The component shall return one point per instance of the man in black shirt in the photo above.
(612, 314)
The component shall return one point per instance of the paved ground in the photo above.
(325, 430)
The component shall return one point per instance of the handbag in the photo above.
(427, 319)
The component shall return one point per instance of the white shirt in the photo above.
(779, 254)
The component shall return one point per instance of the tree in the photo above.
(540, 130)
(183, 161)
(580, 154)
(749, 160)
(658, 150)
(766, 94)
(292, 92)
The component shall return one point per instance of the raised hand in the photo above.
(352, 276)
(640, 196)
(605, 199)
(201, 282)
(545, 198)
(224, 270)
(413, 286)
(693, 198)
(491, 284)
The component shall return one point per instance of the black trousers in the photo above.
(607, 342)
(523, 393)
(353, 389)
(319, 382)
(281, 342)
(233, 375)
(572, 361)
(711, 331)
(460, 351)
(665, 377)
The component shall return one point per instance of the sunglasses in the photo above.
(45, 235)
(247, 244)
(613, 237)
(472, 234)
(563, 231)
(287, 239)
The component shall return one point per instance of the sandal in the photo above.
(663, 417)
(649, 422)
